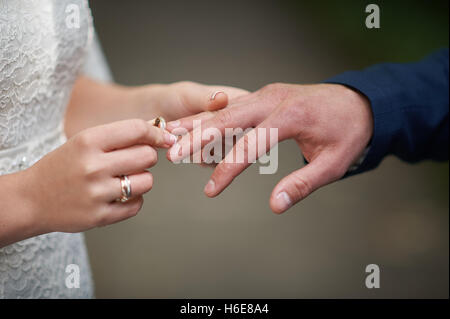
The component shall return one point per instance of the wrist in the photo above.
(24, 223)
(362, 114)
(362, 111)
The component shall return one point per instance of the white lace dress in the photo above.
(42, 49)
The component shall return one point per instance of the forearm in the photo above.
(17, 211)
(93, 103)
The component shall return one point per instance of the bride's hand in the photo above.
(75, 187)
(181, 99)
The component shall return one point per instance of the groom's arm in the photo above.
(410, 104)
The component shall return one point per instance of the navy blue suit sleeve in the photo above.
(410, 104)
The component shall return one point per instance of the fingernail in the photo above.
(169, 138)
(213, 96)
(173, 124)
(283, 201)
(209, 188)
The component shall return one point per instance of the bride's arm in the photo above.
(93, 103)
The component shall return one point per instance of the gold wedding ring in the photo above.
(125, 186)
(159, 122)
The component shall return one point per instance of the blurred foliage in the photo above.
(408, 29)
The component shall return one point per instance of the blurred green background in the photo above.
(409, 29)
(183, 245)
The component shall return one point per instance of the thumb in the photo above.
(301, 183)
(199, 98)
(220, 96)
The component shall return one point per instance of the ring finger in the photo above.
(140, 183)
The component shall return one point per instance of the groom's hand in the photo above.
(332, 125)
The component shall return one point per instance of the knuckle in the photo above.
(91, 168)
(223, 169)
(278, 91)
(291, 110)
(154, 136)
(272, 86)
(149, 155)
(337, 172)
(158, 136)
(302, 187)
(294, 111)
(141, 127)
(82, 140)
(242, 146)
(224, 117)
(93, 192)
(100, 218)
(185, 83)
(182, 88)
(134, 209)
(148, 182)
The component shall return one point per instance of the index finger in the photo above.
(187, 122)
(127, 133)
(239, 117)
(247, 150)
